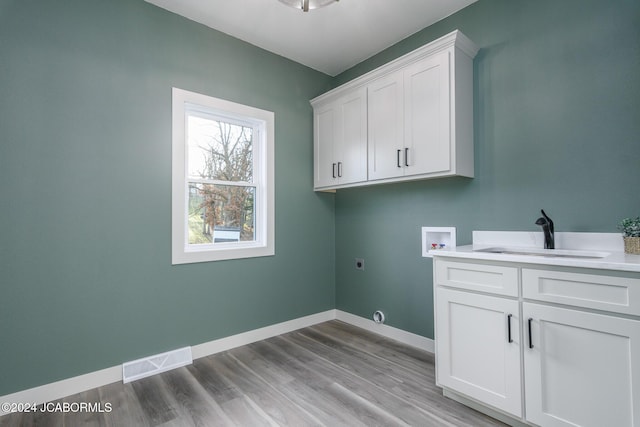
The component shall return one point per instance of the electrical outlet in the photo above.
(359, 264)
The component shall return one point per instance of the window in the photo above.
(222, 179)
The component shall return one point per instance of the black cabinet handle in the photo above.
(340, 169)
(333, 170)
(509, 339)
(398, 158)
(406, 157)
(530, 341)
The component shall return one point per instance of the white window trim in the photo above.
(264, 245)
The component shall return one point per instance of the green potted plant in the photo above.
(631, 233)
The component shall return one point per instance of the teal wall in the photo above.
(86, 278)
(85, 164)
(557, 126)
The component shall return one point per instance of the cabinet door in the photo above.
(324, 137)
(350, 145)
(478, 347)
(340, 141)
(385, 125)
(427, 135)
(581, 368)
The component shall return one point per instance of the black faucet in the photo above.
(547, 228)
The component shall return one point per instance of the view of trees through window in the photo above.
(220, 180)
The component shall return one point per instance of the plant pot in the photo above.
(632, 245)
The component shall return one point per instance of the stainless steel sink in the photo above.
(550, 253)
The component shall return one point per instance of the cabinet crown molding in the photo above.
(454, 39)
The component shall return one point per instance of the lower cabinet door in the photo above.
(478, 348)
(581, 369)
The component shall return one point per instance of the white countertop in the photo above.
(612, 261)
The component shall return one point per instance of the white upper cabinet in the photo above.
(341, 127)
(409, 120)
(427, 117)
(418, 118)
(386, 126)
(323, 129)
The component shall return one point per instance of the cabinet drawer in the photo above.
(494, 279)
(616, 294)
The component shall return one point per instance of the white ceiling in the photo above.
(331, 39)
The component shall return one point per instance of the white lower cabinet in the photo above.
(478, 348)
(540, 362)
(581, 368)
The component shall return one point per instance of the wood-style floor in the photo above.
(331, 374)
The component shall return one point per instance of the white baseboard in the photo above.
(224, 344)
(59, 389)
(71, 386)
(408, 338)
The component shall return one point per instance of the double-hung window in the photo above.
(222, 179)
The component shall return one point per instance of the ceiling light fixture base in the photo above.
(306, 5)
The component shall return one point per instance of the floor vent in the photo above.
(152, 365)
